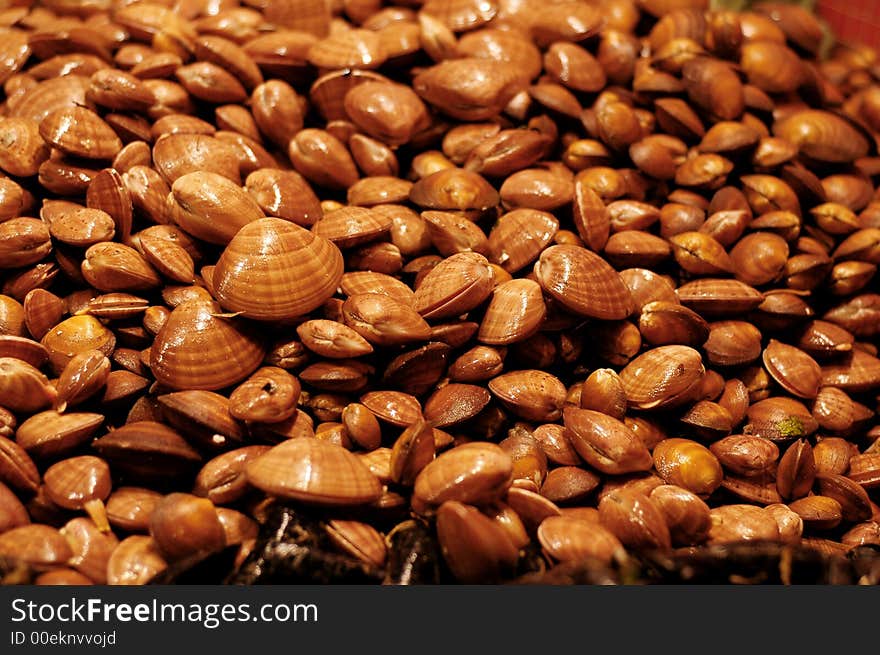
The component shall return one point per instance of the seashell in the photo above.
(354, 282)
(51, 95)
(175, 155)
(112, 266)
(664, 323)
(23, 241)
(23, 387)
(531, 394)
(583, 283)
(75, 335)
(83, 377)
(135, 561)
(212, 207)
(22, 149)
(80, 132)
(605, 443)
(759, 258)
(351, 226)
(50, 434)
(731, 343)
(354, 48)
(515, 313)
(772, 67)
(322, 159)
(519, 236)
(713, 85)
(383, 320)
(822, 135)
(168, 258)
(475, 472)
(42, 311)
(475, 548)
(38, 546)
(833, 409)
(275, 270)
(860, 371)
(454, 189)
(394, 407)
(719, 297)
(634, 519)
(332, 339)
(455, 403)
(391, 113)
(418, 370)
(455, 286)
(741, 523)
(665, 376)
(451, 233)
(198, 349)
(779, 419)
(469, 89)
(568, 539)
(284, 194)
(313, 471)
(793, 369)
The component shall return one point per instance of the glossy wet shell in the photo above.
(315, 472)
(197, 349)
(662, 377)
(275, 270)
(583, 282)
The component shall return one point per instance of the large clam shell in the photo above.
(662, 377)
(583, 282)
(515, 313)
(314, 471)
(197, 349)
(823, 136)
(455, 286)
(275, 270)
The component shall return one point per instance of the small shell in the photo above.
(383, 320)
(606, 443)
(662, 377)
(515, 313)
(822, 135)
(275, 270)
(284, 194)
(332, 339)
(583, 283)
(473, 473)
(566, 538)
(455, 286)
(211, 207)
(80, 132)
(531, 394)
(793, 369)
(314, 472)
(75, 335)
(196, 349)
(519, 236)
(116, 267)
(455, 403)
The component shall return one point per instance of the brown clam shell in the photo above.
(313, 471)
(211, 207)
(822, 135)
(455, 286)
(515, 313)
(198, 349)
(583, 283)
(275, 270)
(793, 369)
(665, 376)
(606, 443)
(531, 394)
